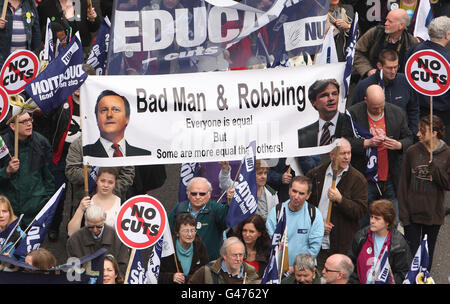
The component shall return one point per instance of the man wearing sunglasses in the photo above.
(95, 235)
(210, 215)
(26, 180)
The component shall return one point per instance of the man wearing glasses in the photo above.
(96, 235)
(27, 180)
(229, 268)
(396, 88)
(337, 269)
(210, 215)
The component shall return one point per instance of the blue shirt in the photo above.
(303, 236)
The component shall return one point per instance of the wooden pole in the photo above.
(16, 137)
(431, 132)
(130, 261)
(333, 183)
(86, 181)
(5, 6)
(235, 178)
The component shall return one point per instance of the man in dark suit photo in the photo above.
(113, 115)
(324, 97)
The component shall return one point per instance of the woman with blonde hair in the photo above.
(7, 217)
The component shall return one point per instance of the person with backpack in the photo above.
(304, 223)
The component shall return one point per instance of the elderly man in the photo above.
(26, 180)
(96, 235)
(378, 156)
(396, 88)
(229, 268)
(393, 35)
(211, 215)
(304, 223)
(348, 200)
(338, 269)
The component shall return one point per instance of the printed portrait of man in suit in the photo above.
(324, 97)
(113, 115)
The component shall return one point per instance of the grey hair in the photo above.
(94, 212)
(346, 266)
(197, 179)
(439, 27)
(228, 242)
(304, 262)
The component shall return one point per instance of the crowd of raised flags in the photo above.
(56, 63)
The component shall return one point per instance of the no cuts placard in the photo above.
(19, 69)
(427, 72)
(4, 104)
(141, 222)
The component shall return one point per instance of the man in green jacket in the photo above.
(211, 215)
(27, 180)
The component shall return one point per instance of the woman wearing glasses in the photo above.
(371, 243)
(190, 252)
(104, 197)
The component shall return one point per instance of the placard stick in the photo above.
(130, 261)
(333, 183)
(89, 3)
(86, 182)
(5, 6)
(235, 178)
(431, 132)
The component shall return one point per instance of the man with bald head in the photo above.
(379, 155)
(348, 199)
(338, 269)
(392, 35)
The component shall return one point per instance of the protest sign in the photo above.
(19, 69)
(172, 120)
(4, 104)
(141, 222)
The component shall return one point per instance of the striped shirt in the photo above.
(18, 37)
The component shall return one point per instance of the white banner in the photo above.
(180, 118)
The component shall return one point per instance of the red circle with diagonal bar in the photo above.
(4, 103)
(19, 69)
(427, 72)
(141, 222)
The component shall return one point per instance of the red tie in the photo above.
(117, 152)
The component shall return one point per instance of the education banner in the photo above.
(209, 116)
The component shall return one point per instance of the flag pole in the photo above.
(235, 178)
(21, 235)
(130, 261)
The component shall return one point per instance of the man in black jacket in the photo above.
(390, 136)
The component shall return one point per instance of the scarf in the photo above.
(366, 257)
(185, 257)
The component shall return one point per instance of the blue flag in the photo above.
(137, 273)
(384, 273)
(5, 235)
(245, 199)
(85, 270)
(371, 152)
(99, 53)
(187, 172)
(92, 179)
(350, 54)
(271, 275)
(418, 272)
(39, 226)
(48, 43)
(60, 79)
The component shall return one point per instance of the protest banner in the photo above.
(19, 69)
(190, 36)
(60, 79)
(141, 222)
(173, 120)
(99, 52)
